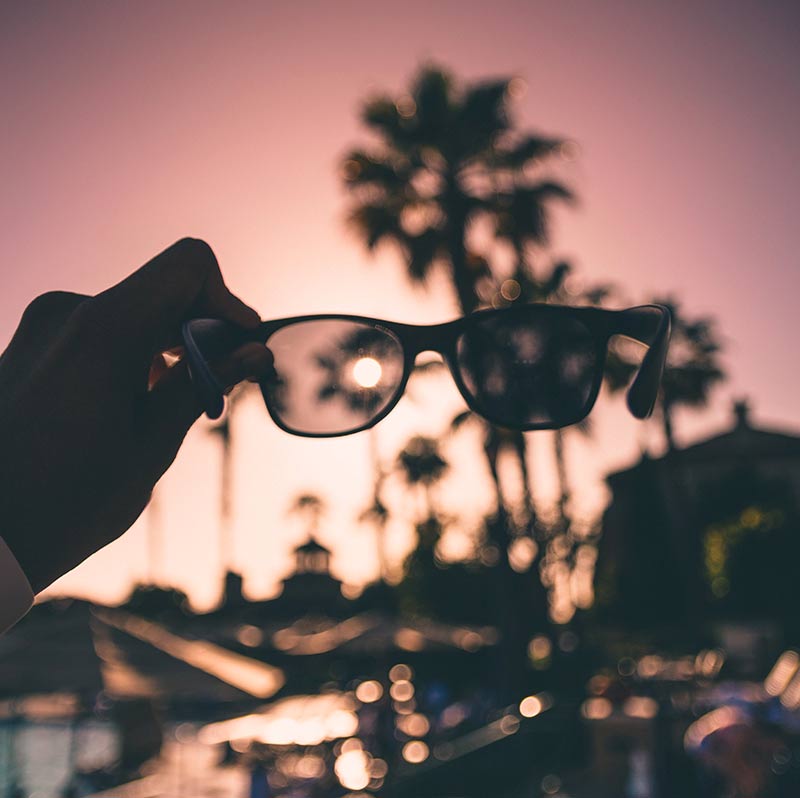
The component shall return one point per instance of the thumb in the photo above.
(172, 405)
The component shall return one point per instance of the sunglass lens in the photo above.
(529, 368)
(332, 376)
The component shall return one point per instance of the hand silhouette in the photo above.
(92, 414)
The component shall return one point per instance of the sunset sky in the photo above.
(126, 126)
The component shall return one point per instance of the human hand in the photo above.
(91, 414)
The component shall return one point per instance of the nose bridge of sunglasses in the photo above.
(426, 338)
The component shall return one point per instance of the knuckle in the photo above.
(52, 304)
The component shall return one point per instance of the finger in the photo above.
(182, 282)
(172, 406)
(47, 313)
(44, 317)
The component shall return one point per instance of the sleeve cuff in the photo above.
(16, 596)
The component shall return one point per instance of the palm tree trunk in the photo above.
(515, 614)
(223, 429)
(463, 277)
(563, 481)
(380, 524)
(521, 451)
(491, 448)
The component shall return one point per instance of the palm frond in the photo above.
(420, 462)
(421, 252)
(482, 116)
(553, 283)
(529, 148)
(382, 115)
(375, 222)
(524, 214)
(364, 169)
(432, 92)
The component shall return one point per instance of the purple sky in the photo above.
(129, 125)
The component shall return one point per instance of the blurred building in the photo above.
(310, 634)
(153, 663)
(710, 532)
(318, 631)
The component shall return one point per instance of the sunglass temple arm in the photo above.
(650, 325)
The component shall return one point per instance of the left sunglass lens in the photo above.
(529, 369)
(332, 376)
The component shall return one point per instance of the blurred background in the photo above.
(434, 607)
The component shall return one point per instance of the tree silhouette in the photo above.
(544, 286)
(223, 429)
(421, 464)
(447, 160)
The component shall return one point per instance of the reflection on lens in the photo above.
(332, 375)
(530, 368)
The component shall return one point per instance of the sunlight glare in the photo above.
(367, 372)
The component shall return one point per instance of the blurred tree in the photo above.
(554, 285)
(692, 371)
(421, 466)
(223, 429)
(446, 161)
(377, 512)
(456, 592)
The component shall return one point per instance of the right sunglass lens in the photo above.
(528, 369)
(332, 376)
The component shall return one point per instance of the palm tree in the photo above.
(523, 232)
(224, 430)
(377, 513)
(448, 159)
(552, 287)
(421, 466)
(692, 370)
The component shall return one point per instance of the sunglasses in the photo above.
(526, 367)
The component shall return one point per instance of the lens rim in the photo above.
(599, 340)
(408, 362)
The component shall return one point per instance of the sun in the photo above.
(367, 372)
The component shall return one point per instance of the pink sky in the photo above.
(127, 126)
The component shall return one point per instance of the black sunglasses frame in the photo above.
(206, 339)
